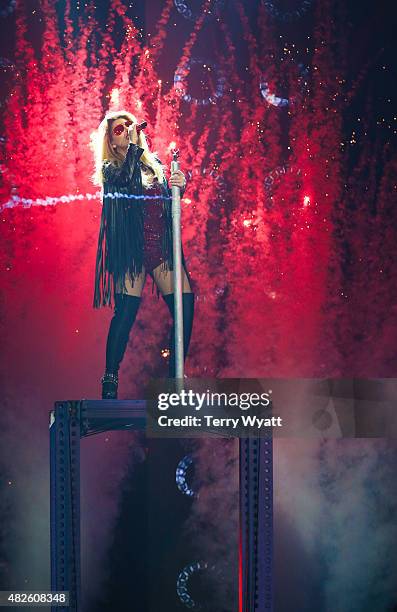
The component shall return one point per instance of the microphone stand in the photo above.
(177, 260)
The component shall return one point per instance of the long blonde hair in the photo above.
(102, 148)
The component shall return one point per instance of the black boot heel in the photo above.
(110, 384)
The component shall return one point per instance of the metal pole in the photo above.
(65, 503)
(256, 524)
(177, 258)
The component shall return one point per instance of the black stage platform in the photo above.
(71, 421)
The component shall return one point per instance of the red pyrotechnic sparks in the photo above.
(232, 149)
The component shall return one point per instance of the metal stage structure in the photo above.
(70, 421)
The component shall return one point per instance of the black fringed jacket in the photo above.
(121, 237)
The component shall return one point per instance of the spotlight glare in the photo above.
(115, 95)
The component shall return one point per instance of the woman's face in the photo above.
(119, 132)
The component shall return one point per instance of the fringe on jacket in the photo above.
(121, 231)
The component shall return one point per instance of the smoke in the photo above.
(214, 521)
(338, 498)
(105, 461)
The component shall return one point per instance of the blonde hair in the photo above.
(100, 144)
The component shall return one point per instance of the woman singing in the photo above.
(135, 236)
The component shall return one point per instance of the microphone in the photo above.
(141, 126)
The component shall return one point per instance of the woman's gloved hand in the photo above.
(178, 179)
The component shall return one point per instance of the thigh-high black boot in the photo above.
(188, 313)
(125, 311)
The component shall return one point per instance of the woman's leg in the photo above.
(137, 287)
(125, 311)
(164, 281)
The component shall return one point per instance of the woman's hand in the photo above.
(178, 179)
(133, 134)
